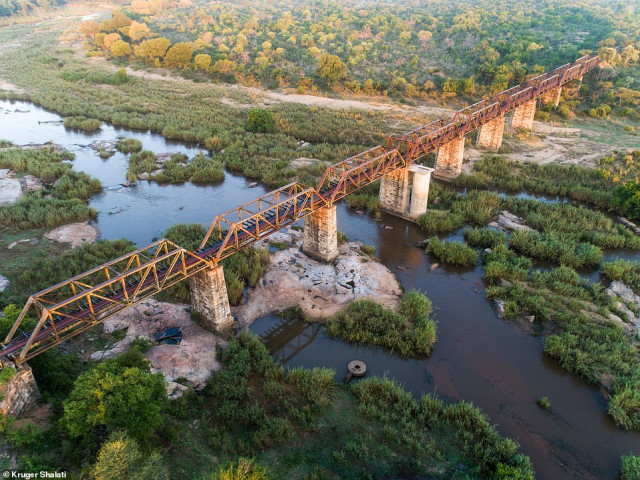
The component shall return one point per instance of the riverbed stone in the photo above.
(10, 191)
(320, 289)
(32, 183)
(194, 358)
(508, 221)
(75, 233)
(629, 301)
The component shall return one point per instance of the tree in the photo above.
(155, 48)
(89, 28)
(110, 39)
(116, 396)
(260, 120)
(137, 31)
(627, 199)
(224, 67)
(179, 55)
(120, 458)
(331, 68)
(202, 62)
(120, 48)
(244, 470)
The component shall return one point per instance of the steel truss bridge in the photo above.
(69, 308)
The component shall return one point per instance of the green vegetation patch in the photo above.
(409, 333)
(82, 123)
(453, 253)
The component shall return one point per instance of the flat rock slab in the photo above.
(508, 221)
(195, 357)
(75, 233)
(5, 172)
(32, 182)
(320, 289)
(629, 302)
(10, 191)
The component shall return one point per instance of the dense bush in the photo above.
(454, 253)
(34, 211)
(624, 270)
(82, 123)
(116, 396)
(410, 332)
(260, 120)
(121, 458)
(554, 247)
(630, 468)
(129, 145)
(484, 237)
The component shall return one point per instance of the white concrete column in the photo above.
(321, 234)
(419, 190)
(209, 297)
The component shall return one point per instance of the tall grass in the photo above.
(454, 253)
(409, 333)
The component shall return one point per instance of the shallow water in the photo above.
(496, 364)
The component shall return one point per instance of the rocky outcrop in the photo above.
(320, 289)
(626, 301)
(10, 191)
(508, 221)
(194, 359)
(75, 233)
(20, 393)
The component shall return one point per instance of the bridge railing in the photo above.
(72, 306)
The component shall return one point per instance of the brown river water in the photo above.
(498, 365)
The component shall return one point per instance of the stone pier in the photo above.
(449, 159)
(209, 297)
(405, 192)
(523, 115)
(321, 234)
(394, 192)
(552, 97)
(419, 190)
(19, 393)
(490, 134)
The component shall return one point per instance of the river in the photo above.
(496, 364)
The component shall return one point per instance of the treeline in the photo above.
(429, 49)
(9, 8)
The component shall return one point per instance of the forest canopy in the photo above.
(425, 49)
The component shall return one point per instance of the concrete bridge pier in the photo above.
(321, 234)
(395, 192)
(449, 159)
(552, 97)
(419, 190)
(405, 191)
(490, 134)
(209, 297)
(20, 393)
(523, 115)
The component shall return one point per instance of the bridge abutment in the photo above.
(449, 159)
(321, 234)
(209, 297)
(490, 134)
(523, 115)
(19, 393)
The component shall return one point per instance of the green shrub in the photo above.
(120, 457)
(454, 253)
(484, 237)
(116, 397)
(435, 221)
(630, 467)
(368, 250)
(245, 469)
(129, 145)
(544, 403)
(82, 123)
(6, 374)
(410, 332)
(260, 120)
